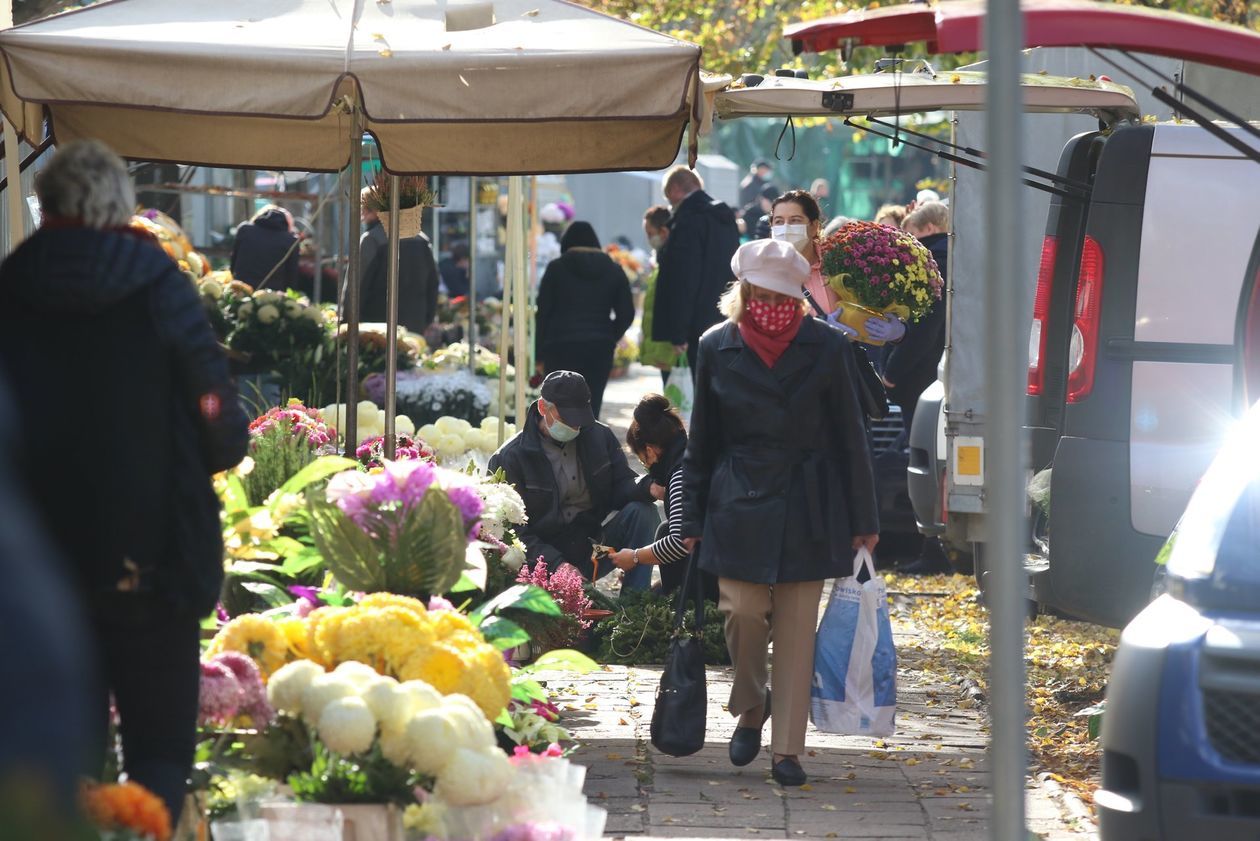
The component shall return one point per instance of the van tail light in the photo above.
(1041, 314)
(1083, 355)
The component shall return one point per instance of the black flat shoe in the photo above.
(788, 772)
(745, 745)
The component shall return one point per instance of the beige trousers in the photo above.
(791, 611)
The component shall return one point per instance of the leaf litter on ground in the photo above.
(943, 632)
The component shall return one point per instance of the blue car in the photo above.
(1181, 731)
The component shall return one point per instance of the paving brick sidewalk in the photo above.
(929, 781)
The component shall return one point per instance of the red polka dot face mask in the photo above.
(773, 319)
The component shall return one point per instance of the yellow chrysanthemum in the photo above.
(374, 600)
(450, 622)
(316, 633)
(486, 679)
(294, 630)
(438, 665)
(256, 636)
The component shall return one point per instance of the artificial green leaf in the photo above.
(286, 545)
(244, 568)
(527, 690)
(528, 597)
(565, 660)
(320, 468)
(503, 633)
(351, 555)
(270, 593)
(430, 550)
(464, 584)
(300, 562)
(235, 499)
(475, 564)
(210, 623)
(504, 719)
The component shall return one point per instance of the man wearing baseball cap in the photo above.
(572, 474)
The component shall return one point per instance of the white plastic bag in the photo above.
(855, 663)
(679, 388)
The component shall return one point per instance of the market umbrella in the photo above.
(510, 86)
(446, 87)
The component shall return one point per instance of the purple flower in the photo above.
(219, 694)
(252, 695)
(439, 603)
(470, 505)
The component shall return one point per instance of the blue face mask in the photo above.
(561, 432)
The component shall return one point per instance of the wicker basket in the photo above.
(408, 221)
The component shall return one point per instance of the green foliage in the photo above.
(640, 630)
(278, 456)
(427, 553)
(365, 779)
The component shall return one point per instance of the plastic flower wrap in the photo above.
(454, 357)
(881, 268)
(127, 807)
(403, 529)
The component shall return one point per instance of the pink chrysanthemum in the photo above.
(220, 693)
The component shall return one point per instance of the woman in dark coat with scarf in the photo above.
(584, 308)
(778, 488)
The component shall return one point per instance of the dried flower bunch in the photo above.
(413, 191)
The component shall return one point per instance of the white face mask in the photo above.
(656, 242)
(797, 235)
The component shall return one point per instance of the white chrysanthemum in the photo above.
(404, 425)
(292, 308)
(322, 691)
(476, 730)
(427, 432)
(245, 310)
(424, 695)
(212, 289)
(347, 727)
(390, 703)
(432, 738)
(360, 674)
(314, 314)
(474, 778)
(284, 690)
(268, 313)
(395, 746)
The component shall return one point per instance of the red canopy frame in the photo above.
(955, 26)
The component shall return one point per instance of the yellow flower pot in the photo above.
(854, 315)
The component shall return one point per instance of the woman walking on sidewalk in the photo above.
(778, 488)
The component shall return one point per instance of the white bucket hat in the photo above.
(772, 264)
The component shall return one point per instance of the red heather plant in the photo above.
(566, 586)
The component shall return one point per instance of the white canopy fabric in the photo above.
(447, 87)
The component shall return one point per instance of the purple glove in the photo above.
(834, 321)
(887, 329)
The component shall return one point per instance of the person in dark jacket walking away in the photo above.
(101, 320)
(417, 276)
(912, 363)
(778, 488)
(265, 254)
(454, 270)
(584, 308)
(571, 474)
(659, 439)
(696, 266)
(756, 182)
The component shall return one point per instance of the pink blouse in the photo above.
(819, 290)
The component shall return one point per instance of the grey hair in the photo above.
(929, 213)
(86, 181)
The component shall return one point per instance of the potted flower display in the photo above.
(877, 270)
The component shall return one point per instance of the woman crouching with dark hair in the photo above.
(657, 436)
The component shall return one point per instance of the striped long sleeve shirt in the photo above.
(669, 549)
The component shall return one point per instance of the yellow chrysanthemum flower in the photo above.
(438, 665)
(486, 679)
(316, 633)
(447, 623)
(256, 636)
(375, 600)
(294, 630)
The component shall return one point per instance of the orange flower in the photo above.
(127, 806)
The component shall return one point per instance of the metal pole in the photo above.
(532, 269)
(352, 279)
(1006, 316)
(317, 282)
(472, 275)
(391, 320)
(514, 244)
(521, 321)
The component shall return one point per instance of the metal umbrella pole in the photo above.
(521, 320)
(391, 321)
(352, 279)
(472, 275)
(1007, 310)
(514, 245)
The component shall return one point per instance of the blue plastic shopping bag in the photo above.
(855, 664)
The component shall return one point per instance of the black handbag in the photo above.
(678, 721)
(870, 388)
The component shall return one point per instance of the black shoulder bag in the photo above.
(870, 387)
(678, 721)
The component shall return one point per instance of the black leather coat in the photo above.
(778, 472)
(695, 267)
